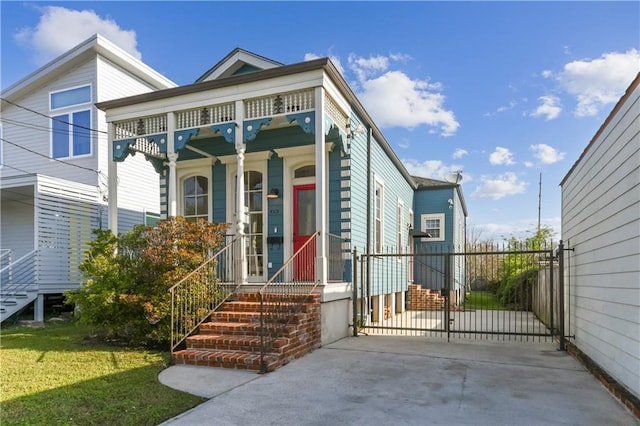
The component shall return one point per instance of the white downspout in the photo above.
(321, 189)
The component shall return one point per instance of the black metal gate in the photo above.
(509, 292)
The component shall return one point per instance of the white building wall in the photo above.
(33, 131)
(601, 223)
(138, 182)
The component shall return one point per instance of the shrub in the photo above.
(127, 278)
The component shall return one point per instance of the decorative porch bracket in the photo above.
(182, 138)
(334, 132)
(122, 148)
(157, 163)
(227, 130)
(252, 127)
(306, 121)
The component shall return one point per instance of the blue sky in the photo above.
(503, 91)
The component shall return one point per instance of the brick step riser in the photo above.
(245, 297)
(280, 346)
(255, 307)
(252, 317)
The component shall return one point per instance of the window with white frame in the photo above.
(378, 215)
(195, 190)
(433, 225)
(70, 122)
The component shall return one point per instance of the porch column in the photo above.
(241, 266)
(321, 189)
(172, 156)
(112, 171)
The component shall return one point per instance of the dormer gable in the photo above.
(238, 62)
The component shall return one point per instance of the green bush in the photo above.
(127, 278)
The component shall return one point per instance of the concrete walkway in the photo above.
(376, 380)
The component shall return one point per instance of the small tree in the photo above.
(520, 270)
(127, 278)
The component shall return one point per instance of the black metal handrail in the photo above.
(284, 295)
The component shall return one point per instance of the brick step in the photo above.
(225, 359)
(246, 306)
(232, 343)
(232, 337)
(293, 298)
(239, 328)
(254, 317)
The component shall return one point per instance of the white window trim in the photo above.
(91, 136)
(378, 240)
(423, 228)
(75, 106)
(184, 174)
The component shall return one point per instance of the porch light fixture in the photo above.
(273, 193)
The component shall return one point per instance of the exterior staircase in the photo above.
(424, 299)
(13, 301)
(232, 338)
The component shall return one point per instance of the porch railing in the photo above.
(5, 258)
(20, 275)
(284, 295)
(202, 291)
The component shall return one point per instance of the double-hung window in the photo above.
(433, 226)
(70, 122)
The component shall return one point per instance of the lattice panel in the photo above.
(337, 116)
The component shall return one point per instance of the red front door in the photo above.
(304, 226)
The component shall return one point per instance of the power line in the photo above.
(49, 158)
(52, 118)
(20, 170)
(39, 127)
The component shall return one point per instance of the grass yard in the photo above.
(55, 376)
(482, 300)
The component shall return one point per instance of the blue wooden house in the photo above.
(290, 158)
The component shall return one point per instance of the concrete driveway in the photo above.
(376, 380)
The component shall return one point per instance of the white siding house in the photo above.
(54, 168)
(601, 227)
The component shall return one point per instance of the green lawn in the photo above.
(55, 376)
(482, 300)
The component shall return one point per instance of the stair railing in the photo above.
(283, 296)
(202, 291)
(21, 275)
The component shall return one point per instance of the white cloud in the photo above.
(433, 169)
(546, 154)
(502, 186)
(459, 153)
(598, 82)
(549, 108)
(501, 156)
(404, 143)
(393, 99)
(60, 29)
(528, 164)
